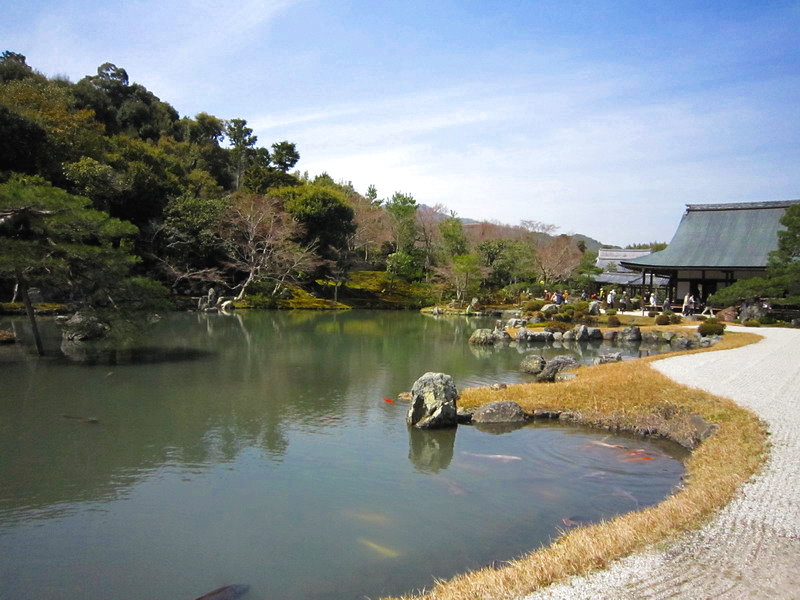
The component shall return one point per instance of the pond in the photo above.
(259, 448)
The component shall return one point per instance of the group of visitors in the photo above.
(690, 304)
(558, 297)
(613, 298)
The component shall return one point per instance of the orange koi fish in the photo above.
(389, 400)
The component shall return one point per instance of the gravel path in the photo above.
(751, 549)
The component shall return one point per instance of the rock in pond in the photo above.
(84, 326)
(607, 358)
(554, 366)
(488, 337)
(499, 412)
(433, 402)
(532, 364)
(630, 334)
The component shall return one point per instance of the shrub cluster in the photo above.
(752, 323)
(555, 326)
(533, 305)
(663, 319)
(652, 313)
(611, 311)
(613, 321)
(711, 327)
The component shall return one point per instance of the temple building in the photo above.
(715, 245)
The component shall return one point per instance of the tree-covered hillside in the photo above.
(201, 201)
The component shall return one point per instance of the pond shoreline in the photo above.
(715, 472)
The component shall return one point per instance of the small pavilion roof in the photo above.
(720, 236)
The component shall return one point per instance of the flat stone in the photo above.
(499, 412)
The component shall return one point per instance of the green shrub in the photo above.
(261, 301)
(562, 317)
(700, 318)
(533, 305)
(611, 311)
(767, 320)
(582, 306)
(652, 313)
(663, 319)
(555, 326)
(675, 319)
(752, 323)
(613, 321)
(584, 319)
(711, 327)
(566, 308)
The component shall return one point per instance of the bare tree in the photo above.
(556, 258)
(259, 236)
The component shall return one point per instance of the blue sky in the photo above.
(603, 118)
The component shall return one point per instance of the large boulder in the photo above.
(516, 323)
(594, 308)
(595, 333)
(84, 326)
(484, 337)
(549, 308)
(499, 412)
(609, 335)
(630, 334)
(530, 335)
(607, 358)
(433, 402)
(556, 365)
(680, 343)
(532, 364)
(581, 333)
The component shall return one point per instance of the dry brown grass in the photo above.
(625, 394)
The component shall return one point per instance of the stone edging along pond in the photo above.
(632, 397)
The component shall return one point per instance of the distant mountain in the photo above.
(592, 245)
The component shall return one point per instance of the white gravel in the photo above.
(751, 549)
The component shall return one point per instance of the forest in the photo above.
(110, 198)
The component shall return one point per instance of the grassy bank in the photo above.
(629, 396)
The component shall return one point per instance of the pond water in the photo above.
(259, 448)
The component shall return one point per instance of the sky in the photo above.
(601, 118)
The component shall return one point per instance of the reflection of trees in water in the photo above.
(243, 381)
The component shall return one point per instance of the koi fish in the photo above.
(635, 458)
(606, 444)
(389, 400)
(382, 550)
(370, 517)
(452, 487)
(91, 420)
(500, 457)
(228, 592)
(619, 492)
(572, 522)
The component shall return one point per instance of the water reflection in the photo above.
(269, 447)
(432, 450)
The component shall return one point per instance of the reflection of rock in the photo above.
(499, 428)
(499, 412)
(532, 364)
(84, 326)
(431, 451)
(433, 402)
